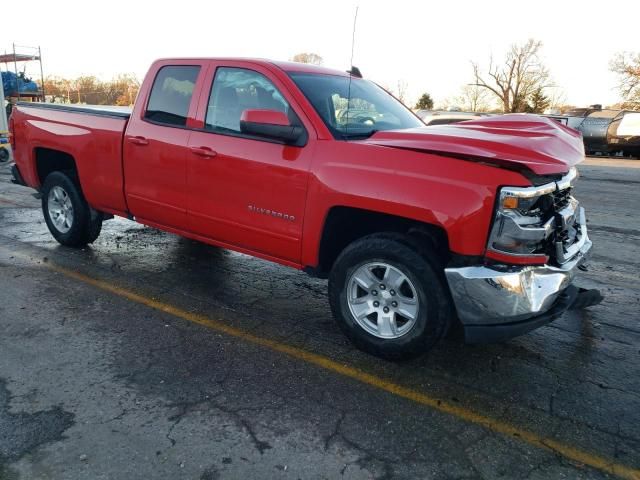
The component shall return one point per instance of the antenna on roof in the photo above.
(353, 36)
(354, 71)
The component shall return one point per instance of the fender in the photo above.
(450, 193)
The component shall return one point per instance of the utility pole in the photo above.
(3, 111)
(41, 74)
(15, 66)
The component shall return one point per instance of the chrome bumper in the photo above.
(495, 296)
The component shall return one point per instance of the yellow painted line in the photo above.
(547, 443)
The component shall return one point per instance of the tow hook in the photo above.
(586, 298)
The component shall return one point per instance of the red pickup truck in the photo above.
(417, 228)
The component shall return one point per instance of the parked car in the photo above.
(417, 228)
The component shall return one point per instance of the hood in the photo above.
(516, 141)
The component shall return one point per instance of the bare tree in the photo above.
(312, 58)
(402, 91)
(445, 104)
(121, 90)
(557, 99)
(57, 88)
(627, 66)
(514, 80)
(473, 98)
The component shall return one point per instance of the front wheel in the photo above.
(70, 219)
(388, 297)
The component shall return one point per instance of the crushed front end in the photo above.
(538, 240)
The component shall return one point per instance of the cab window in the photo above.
(171, 95)
(236, 90)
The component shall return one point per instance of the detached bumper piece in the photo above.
(16, 176)
(500, 302)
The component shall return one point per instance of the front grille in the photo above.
(561, 198)
(565, 209)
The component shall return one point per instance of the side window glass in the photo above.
(171, 95)
(236, 90)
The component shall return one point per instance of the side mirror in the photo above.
(271, 124)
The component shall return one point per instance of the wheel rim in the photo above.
(60, 209)
(383, 300)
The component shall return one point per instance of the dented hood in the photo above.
(518, 141)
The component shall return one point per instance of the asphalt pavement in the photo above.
(149, 356)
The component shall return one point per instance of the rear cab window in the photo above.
(171, 95)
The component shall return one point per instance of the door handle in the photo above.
(203, 151)
(138, 140)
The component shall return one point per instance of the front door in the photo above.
(246, 192)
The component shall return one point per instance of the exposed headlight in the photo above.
(523, 198)
(521, 225)
(526, 218)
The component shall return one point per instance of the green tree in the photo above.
(537, 102)
(425, 102)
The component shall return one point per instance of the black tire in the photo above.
(4, 155)
(419, 265)
(86, 223)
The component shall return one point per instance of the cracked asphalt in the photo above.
(97, 384)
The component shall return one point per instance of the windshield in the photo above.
(370, 109)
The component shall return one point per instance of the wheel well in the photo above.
(48, 160)
(346, 224)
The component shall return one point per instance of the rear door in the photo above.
(155, 144)
(244, 191)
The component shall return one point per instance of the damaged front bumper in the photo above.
(495, 303)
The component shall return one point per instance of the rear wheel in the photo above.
(4, 155)
(388, 296)
(70, 219)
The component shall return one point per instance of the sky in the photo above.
(428, 45)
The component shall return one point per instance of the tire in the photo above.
(77, 224)
(404, 337)
(4, 155)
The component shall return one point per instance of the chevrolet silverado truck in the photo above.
(418, 229)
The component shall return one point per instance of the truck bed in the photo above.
(102, 110)
(89, 134)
